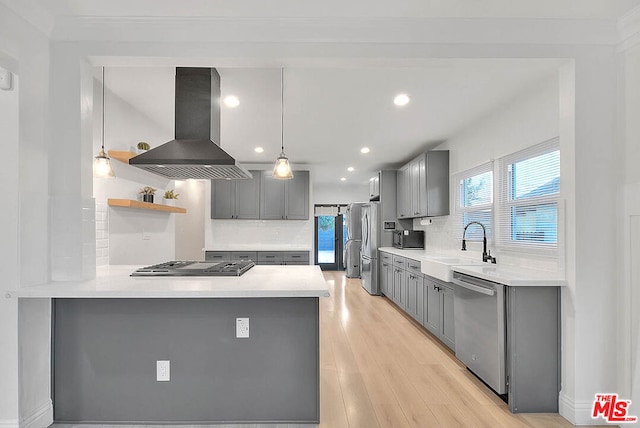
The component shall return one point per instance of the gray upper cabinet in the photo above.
(236, 199)
(404, 192)
(296, 196)
(374, 188)
(285, 199)
(423, 186)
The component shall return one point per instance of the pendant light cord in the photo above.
(103, 108)
(282, 109)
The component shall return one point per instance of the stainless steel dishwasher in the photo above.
(480, 332)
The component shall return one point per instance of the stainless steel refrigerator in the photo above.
(353, 216)
(371, 235)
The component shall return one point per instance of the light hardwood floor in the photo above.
(378, 368)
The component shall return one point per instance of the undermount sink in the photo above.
(440, 267)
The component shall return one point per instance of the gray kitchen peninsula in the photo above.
(112, 337)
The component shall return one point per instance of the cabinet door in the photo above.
(374, 188)
(271, 197)
(402, 299)
(384, 279)
(414, 176)
(398, 277)
(431, 314)
(447, 333)
(297, 196)
(412, 294)
(223, 199)
(247, 197)
(404, 192)
(422, 187)
(437, 183)
(217, 255)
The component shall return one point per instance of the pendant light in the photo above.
(282, 169)
(102, 163)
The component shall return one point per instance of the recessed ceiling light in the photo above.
(401, 100)
(258, 150)
(350, 169)
(231, 101)
(343, 179)
(365, 150)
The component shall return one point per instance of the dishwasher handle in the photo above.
(473, 287)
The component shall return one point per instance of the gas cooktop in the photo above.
(196, 268)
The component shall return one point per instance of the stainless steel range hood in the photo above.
(194, 153)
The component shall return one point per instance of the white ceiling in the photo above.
(333, 110)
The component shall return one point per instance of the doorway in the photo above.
(329, 236)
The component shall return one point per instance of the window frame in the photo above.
(505, 203)
(460, 210)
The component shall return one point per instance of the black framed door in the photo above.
(329, 242)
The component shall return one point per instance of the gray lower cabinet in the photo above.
(236, 199)
(438, 310)
(262, 257)
(285, 199)
(427, 300)
(386, 279)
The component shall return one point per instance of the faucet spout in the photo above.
(486, 255)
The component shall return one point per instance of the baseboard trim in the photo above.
(41, 418)
(578, 413)
(9, 423)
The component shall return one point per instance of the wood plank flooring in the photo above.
(378, 368)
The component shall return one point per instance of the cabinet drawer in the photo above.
(244, 255)
(413, 266)
(271, 256)
(217, 255)
(386, 257)
(399, 262)
(296, 256)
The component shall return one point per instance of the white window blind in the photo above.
(474, 201)
(529, 191)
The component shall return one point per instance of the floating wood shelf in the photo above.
(121, 155)
(130, 203)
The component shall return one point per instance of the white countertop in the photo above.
(514, 276)
(259, 281)
(416, 254)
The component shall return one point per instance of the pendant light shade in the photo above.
(282, 169)
(101, 163)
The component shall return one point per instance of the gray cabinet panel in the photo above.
(386, 279)
(404, 193)
(270, 256)
(217, 255)
(374, 188)
(413, 282)
(447, 332)
(222, 199)
(423, 186)
(247, 197)
(431, 314)
(236, 199)
(296, 256)
(272, 200)
(297, 196)
(244, 255)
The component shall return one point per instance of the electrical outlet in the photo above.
(146, 236)
(242, 328)
(163, 371)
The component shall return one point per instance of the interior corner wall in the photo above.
(26, 51)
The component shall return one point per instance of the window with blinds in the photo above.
(529, 192)
(474, 200)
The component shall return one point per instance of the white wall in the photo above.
(24, 385)
(341, 193)
(629, 221)
(528, 118)
(139, 106)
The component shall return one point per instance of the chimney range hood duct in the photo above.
(193, 154)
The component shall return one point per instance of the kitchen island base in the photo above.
(105, 353)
